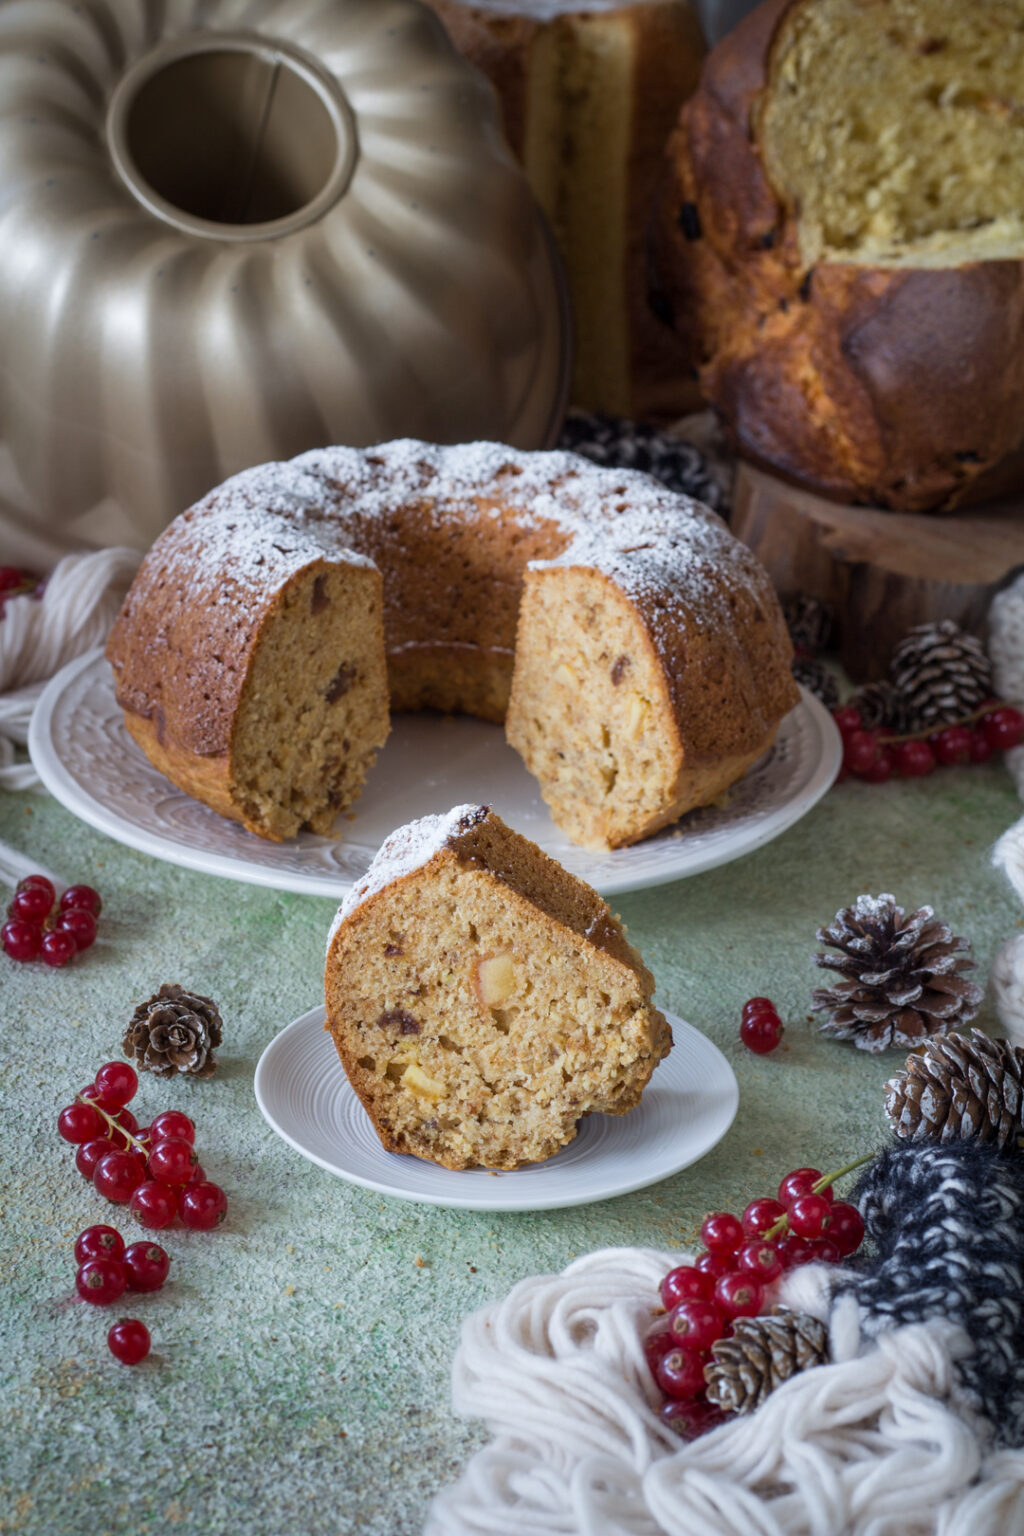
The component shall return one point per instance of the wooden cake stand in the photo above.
(882, 572)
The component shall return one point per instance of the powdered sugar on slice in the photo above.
(407, 848)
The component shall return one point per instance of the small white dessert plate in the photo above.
(686, 1109)
(85, 757)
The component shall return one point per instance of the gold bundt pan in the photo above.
(232, 230)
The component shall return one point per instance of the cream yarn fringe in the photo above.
(39, 636)
(872, 1445)
(1006, 652)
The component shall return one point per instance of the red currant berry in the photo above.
(761, 1215)
(124, 1129)
(810, 1216)
(721, 1232)
(203, 1206)
(794, 1251)
(680, 1373)
(118, 1175)
(825, 1251)
(171, 1122)
(981, 747)
(101, 1281)
(80, 1122)
(685, 1284)
(198, 1175)
(145, 1266)
(128, 1341)
(21, 940)
(715, 1264)
(759, 1005)
(153, 1205)
(691, 1417)
(656, 1346)
(847, 1229)
(914, 759)
(696, 1324)
(31, 904)
(83, 897)
(739, 1295)
(99, 1242)
(57, 947)
(1004, 728)
(761, 1033)
(860, 750)
(80, 924)
(11, 577)
(953, 745)
(801, 1182)
(848, 719)
(883, 767)
(761, 1259)
(172, 1160)
(89, 1154)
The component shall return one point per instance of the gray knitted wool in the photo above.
(945, 1230)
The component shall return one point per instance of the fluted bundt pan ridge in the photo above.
(231, 232)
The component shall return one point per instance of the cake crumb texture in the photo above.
(482, 1000)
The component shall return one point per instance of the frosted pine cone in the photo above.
(762, 1353)
(175, 1031)
(941, 672)
(902, 976)
(960, 1088)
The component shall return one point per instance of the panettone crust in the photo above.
(890, 386)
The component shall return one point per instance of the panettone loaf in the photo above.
(840, 237)
(633, 647)
(589, 91)
(482, 1000)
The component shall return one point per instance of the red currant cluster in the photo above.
(13, 583)
(741, 1257)
(760, 1027)
(154, 1171)
(41, 927)
(875, 756)
(106, 1269)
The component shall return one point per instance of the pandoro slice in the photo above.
(482, 1000)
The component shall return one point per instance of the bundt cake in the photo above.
(590, 91)
(841, 237)
(634, 648)
(482, 1000)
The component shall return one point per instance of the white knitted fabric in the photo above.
(1006, 652)
(1006, 978)
(38, 636)
(871, 1445)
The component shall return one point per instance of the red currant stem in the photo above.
(930, 730)
(114, 1124)
(825, 1182)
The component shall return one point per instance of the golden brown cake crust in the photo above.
(882, 385)
(665, 49)
(451, 537)
(482, 1000)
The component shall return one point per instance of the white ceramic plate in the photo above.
(85, 757)
(687, 1107)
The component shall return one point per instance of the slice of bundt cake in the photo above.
(482, 1000)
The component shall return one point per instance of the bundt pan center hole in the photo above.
(232, 137)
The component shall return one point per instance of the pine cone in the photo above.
(175, 1031)
(616, 442)
(882, 708)
(810, 621)
(941, 673)
(762, 1353)
(960, 1088)
(815, 676)
(903, 978)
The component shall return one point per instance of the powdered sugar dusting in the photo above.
(407, 848)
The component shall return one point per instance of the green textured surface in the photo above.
(299, 1380)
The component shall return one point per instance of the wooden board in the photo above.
(882, 572)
